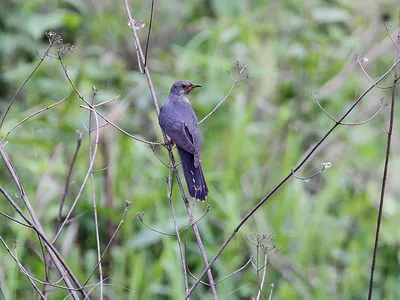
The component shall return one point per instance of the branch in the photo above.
(236, 80)
(53, 40)
(225, 277)
(325, 165)
(140, 216)
(127, 205)
(96, 222)
(60, 264)
(66, 188)
(383, 104)
(177, 233)
(22, 268)
(34, 114)
(263, 277)
(15, 220)
(89, 171)
(386, 167)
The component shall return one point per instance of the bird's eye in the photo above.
(183, 85)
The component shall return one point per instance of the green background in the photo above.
(324, 228)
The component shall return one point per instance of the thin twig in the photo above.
(45, 283)
(386, 167)
(263, 277)
(271, 290)
(227, 276)
(326, 165)
(109, 122)
(46, 266)
(158, 157)
(3, 292)
(107, 101)
(15, 220)
(89, 171)
(140, 216)
(127, 205)
(67, 183)
(383, 104)
(34, 114)
(96, 222)
(61, 266)
(149, 32)
(396, 44)
(177, 233)
(360, 59)
(236, 80)
(287, 177)
(24, 83)
(22, 268)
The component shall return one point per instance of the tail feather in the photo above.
(194, 177)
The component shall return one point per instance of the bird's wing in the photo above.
(193, 132)
(178, 131)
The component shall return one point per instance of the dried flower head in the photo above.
(137, 24)
(54, 38)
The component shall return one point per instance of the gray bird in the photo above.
(178, 119)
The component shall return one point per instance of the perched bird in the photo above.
(178, 120)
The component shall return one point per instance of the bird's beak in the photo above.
(194, 85)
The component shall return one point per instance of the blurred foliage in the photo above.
(324, 228)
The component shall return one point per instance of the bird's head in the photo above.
(183, 87)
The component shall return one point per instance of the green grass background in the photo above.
(324, 228)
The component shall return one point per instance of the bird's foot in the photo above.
(169, 143)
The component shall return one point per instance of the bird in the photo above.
(178, 120)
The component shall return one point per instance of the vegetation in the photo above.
(324, 227)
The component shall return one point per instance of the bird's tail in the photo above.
(195, 180)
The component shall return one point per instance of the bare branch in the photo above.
(263, 277)
(15, 220)
(140, 216)
(107, 101)
(236, 80)
(66, 188)
(360, 59)
(22, 268)
(390, 36)
(88, 173)
(227, 276)
(127, 205)
(60, 264)
(181, 252)
(325, 165)
(386, 167)
(271, 290)
(24, 83)
(149, 32)
(96, 222)
(383, 104)
(34, 114)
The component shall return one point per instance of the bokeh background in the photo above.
(324, 228)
